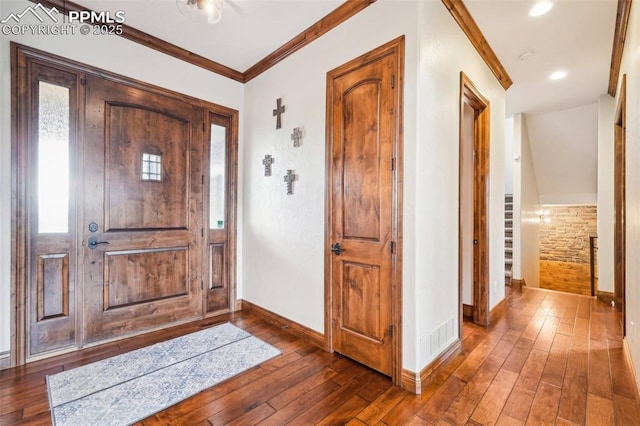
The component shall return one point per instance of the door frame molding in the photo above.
(21, 55)
(394, 47)
(620, 202)
(470, 94)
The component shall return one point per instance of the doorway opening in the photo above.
(473, 251)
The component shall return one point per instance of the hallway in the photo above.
(552, 358)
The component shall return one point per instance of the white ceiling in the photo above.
(249, 29)
(576, 36)
(561, 116)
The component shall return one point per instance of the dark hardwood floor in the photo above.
(553, 358)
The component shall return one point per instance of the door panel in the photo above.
(361, 301)
(53, 286)
(141, 276)
(363, 135)
(143, 186)
(138, 200)
(51, 163)
(362, 175)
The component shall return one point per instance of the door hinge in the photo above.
(390, 330)
(392, 247)
(83, 81)
(202, 232)
(202, 179)
(201, 284)
(204, 128)
(393, 81)
(393, 164)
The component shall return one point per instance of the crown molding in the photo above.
(461, 14)
(315, 31)
(152, 42)
(619, 37)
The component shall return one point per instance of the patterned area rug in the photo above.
(129, 387)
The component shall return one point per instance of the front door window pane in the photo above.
(217, 172)
(53, 158)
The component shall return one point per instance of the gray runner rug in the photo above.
(129, 387)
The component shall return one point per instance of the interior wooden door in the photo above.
(468, 258)
(142, 227)
(363, 122)
(620, 204)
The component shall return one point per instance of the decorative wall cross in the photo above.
(268, 161)
(296, 137)
(278, 113)
(290, 177)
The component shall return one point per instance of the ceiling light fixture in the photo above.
(540, 8)
(202, 10)
(558, 75)
(526, 55)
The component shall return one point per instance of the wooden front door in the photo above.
(364, 109)
(125, 206)
(142, 183)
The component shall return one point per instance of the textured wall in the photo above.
(565, 238)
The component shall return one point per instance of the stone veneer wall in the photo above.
(564, 247)
(566, 237)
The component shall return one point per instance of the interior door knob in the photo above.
(336, 249)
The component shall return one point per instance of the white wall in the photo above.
(444, 52)
(516, 128)
(110, 53)
(526, 207)
(565, 153)
(606, 148)
(529, 213)
(284, 234)
(631, 67)
(508, 156)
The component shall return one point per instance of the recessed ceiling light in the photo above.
(558, 75)
(540, 8)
